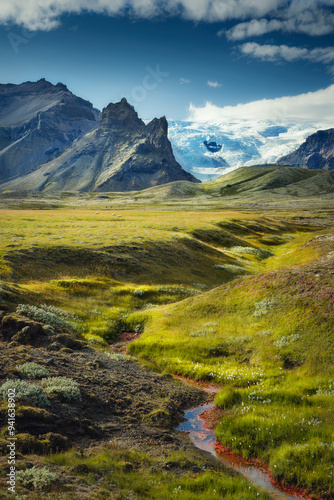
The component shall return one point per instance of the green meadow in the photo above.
(243, 299)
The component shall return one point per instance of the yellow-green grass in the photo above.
(144, 244)
(271, 332)
(140, 246)
(75, 227)
(103, 267)
(268, 340)
(133, 473)
(104, 306)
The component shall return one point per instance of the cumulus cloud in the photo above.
(314, 24)
(214, 85)
(309, 17)
(278, 53)
(257, 17)
(45, 14)
(184, 81)
(312, 106)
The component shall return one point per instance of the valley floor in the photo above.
(239, 298)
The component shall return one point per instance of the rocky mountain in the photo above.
(38, 121)
(121, 154)
(317, 152)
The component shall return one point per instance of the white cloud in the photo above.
(278, 53)
(214, 85)
(184, 81)
(45, 14)
(313, 106)
(308, 22)
(309, 17)
(255, 27)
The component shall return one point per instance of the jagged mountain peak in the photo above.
(118, 153)
(159, 123)
(120, 115)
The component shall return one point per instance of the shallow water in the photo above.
(205, 439)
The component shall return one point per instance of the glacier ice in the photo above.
(244, 143)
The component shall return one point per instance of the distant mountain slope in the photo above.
(317, 152)
(238, 143)
(121, 154)
(258, 178)
(38, 121)
(259, 182)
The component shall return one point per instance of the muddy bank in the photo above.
(199, 423)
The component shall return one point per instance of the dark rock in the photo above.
(39, 121)
(66, 350)
(57, 442)
(14, 324)
(24, 336)
(68, 341)
(121, 154)
(55, 346)
(317, 152)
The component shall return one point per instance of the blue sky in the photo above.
(164, 59)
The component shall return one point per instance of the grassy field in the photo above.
(267, 339)
(240, 298)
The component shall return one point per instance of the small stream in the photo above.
(205, 439)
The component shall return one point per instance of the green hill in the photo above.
(267, 340)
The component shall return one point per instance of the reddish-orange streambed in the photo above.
(198, 424)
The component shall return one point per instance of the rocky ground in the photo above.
(121, 400)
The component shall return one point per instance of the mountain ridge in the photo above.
(38, 121)
(121, 153)
(317, 152)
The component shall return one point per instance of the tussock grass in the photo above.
(270, 344)
(266, 338)
(135, 473)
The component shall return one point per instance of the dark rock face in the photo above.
(38, 121)
(121, 154)
(317, 152)
(213, 147)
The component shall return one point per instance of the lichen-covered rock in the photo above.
(23, 329)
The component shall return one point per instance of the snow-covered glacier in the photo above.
(235, 144)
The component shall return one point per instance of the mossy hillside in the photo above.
(127, 404)
(126, 472)
(270, 184)
(137, 261)
(247, 320)
(146, 251)
(140, 244)
(250, 179)
(268, 339)
(131, 247)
